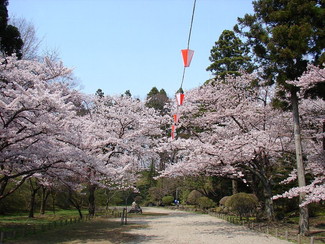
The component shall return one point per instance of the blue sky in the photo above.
(120, 45)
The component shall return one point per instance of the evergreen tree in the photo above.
(128, 93)
(153, 91)
(3, 15)
(10, 40)
(99, 93)
(229, 55)
(157, 99)
(284, 37)
(163, 92)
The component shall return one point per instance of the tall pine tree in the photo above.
(285, 35)
(229, 55)
(157, 99)
(10, 40)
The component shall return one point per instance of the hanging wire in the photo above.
(183, 76)
(188, 42)
(190, 32)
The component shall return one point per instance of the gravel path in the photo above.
(158, 226)
(189, 228)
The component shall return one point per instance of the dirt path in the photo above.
(183, 227)
(157, 225)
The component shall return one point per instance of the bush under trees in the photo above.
(243, 204)
(193, 197)
(167, 200)
(205, 203)
(223, 200)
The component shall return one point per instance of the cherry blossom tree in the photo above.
(36, 107)
(121, 133)
(58, 136)
(313, 117)
(233, 131)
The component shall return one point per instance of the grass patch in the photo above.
(96, 230)
(52, 228)
(50, 216)
(19, 221)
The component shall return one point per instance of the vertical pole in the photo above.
(122, 217)
(303, 211)
(312, 240)
(234, 185)
(324, 136)
(299, 239)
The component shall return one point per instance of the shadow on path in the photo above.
(96, 231)
(154, 226)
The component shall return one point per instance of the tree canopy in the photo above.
(10, 40)
(229, 56)
(157, 99)
(285, 36)
(53, 136)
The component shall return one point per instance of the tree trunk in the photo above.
(77, 206)
(45, 195)
(80, 213)
(303, 211)
(31, 205)
(269, 209)
(74, 201)
(324, 135)
(107, 199)
(33, 191)
(3, 185)
(267, 190)
(255, 181)
(53, 195)
(234, 185)
(91, 199)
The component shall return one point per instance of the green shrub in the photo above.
(193, 197)
(218, 210)
(168, 200)
(242, 203)
(221, 209)
(223, 200)
(205, 203)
